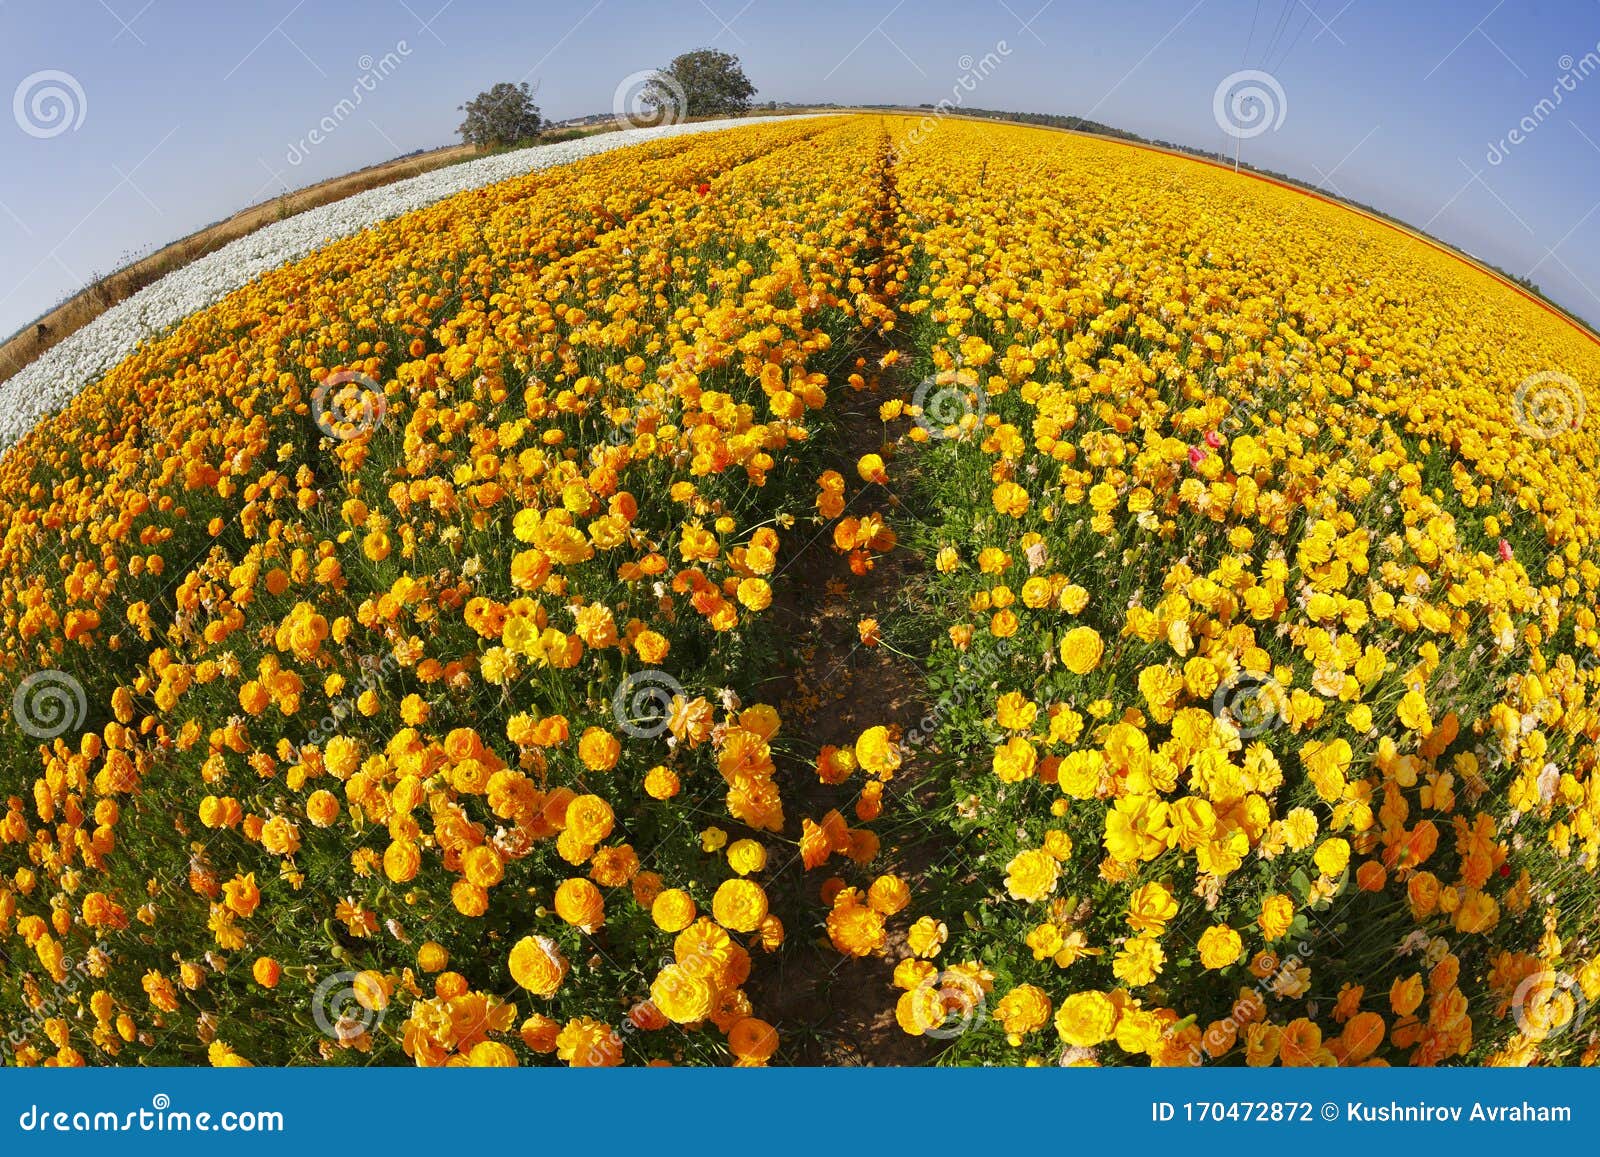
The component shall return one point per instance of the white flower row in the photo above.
(47, 384)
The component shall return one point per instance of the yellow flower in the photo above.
(1081, 650)
(673, 910)
(1032, 875)
(927, 936)
(1086, 1019)
(739, 905)
(1219, 946)
(1139, 961)
(1277, 914)
(1150, 908)
(746, 856)
(537, 965)
(1014, 760)
(1023, 1010)
(579, 903)
(1332, 856)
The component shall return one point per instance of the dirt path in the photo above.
(833, 1009)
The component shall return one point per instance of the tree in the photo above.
(505, 115)
(705, 82)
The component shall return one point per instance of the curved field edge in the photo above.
(46, 383)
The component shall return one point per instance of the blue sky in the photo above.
(182, 112)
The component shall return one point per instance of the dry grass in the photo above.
(77, 312)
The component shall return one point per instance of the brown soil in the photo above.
(831, 1009)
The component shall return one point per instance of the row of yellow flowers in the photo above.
(1279, 528)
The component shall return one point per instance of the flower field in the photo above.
(403, 668)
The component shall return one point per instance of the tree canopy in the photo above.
(705, 82)
(504, 115)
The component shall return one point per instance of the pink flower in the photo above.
(1505, 551)
(1197, 455)
(1213, 439)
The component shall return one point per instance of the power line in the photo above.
(1245, 59)
(1311, 13)
(1277, 31)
